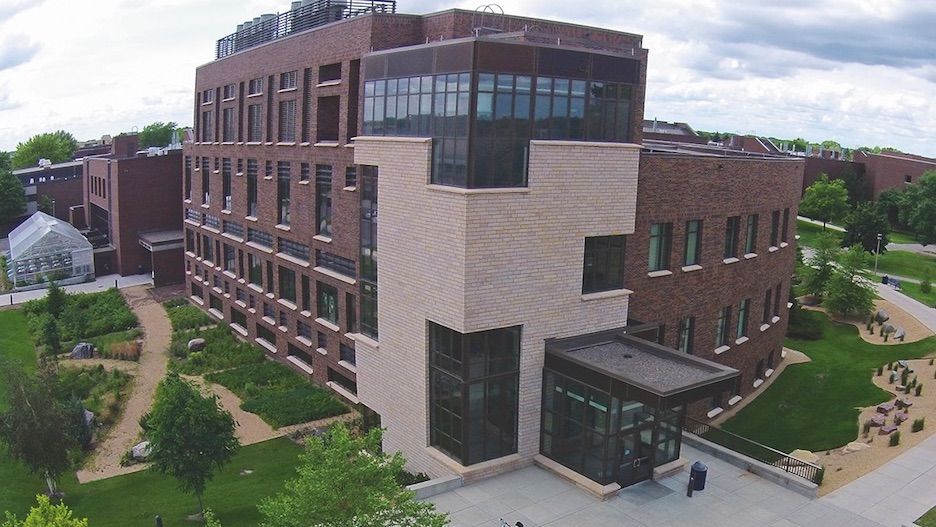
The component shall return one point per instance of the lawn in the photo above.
(809, 233)
(902, 237)
(135, 499)
(928, 519)
(815, 405)
(17, 346)
(913, 291)
(907, 264)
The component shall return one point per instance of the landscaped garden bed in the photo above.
(221, 351)
(279, 396)
(183, 315)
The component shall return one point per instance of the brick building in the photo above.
(60, 182)
(533, 268)
(131, 211)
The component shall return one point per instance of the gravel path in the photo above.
(105, 462)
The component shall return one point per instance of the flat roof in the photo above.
(637, 368)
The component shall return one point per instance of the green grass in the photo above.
(809, 233)
(135, 499)
(186, 316)
(928, 519)
(815, 405)
(907, 264)
(17, 346)
(902, 237)
(913, 291)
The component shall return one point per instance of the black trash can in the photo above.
(884, 279)
(698, 471)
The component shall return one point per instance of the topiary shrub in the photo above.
(880, 371)
(918, 424)
(866, 428)
(919, 389)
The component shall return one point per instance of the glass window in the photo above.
(768, 304)
(660, 243)
(693, 248)
(774, 228)
(282, 191)
(287, 121)
(722, 329)
(254, 123)
(252, 187)
(327, 302)
(743, 309)
(750, 241)
(287, 284)
(603, 267)
(323, 198)
(686, 334)
(732, 232)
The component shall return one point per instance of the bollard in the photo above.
(691, 485)
(159, 521)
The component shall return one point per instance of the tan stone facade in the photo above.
(474, 260)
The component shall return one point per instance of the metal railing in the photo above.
(312, 14)
(765, 454)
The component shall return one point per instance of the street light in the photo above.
(878, 252)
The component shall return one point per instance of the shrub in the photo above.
(807, 325)
(880, 371)
(129, 350)
(931, 362)
(404, 478)
(919, 389)
(222, 351)
(866, 428)
(299, 405)
(895, 438)
(188, 317)
(905, 376)
(918, 424)
(175, 302)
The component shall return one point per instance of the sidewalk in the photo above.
(99, 284)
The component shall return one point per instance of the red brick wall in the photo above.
(675, 189)
(886, 171)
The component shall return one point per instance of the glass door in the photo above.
(636, 456)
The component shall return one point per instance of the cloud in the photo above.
(8, 8)
(16, 50)
(6, 102)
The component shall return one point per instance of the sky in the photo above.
(860, 73)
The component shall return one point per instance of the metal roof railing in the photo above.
(304, 15)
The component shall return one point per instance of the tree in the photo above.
(862, 227)
(918, 209)
(348, 481)
(157, 134)
(12, 197)
(191, 436)
(34, 427)
(57, 147)
(889, 203)
(44, 204)
(856, 184)
(50, 334)
(821, 265)
(849, 290)
(56, 299)
(46, 515)
(825, 200)
(6, 162)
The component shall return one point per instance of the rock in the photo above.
(881, 317)
(196, 345)
(900, 334)
(88, 416)
(854, 446)
(141, 450)
(82, 350)
(804, 455)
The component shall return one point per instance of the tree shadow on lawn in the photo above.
(815, 405)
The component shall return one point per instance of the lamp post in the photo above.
(877, 252)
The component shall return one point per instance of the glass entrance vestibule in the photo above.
(613, 404)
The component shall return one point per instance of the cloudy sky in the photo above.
(861, 73)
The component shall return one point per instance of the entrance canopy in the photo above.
(631, 368)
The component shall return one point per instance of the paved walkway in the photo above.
(99, 284)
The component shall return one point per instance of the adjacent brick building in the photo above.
(532, 270)
(132, 212)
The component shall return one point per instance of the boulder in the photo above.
(900, 334)
(141, 450)
(88, 416)
(881, 316)
(888, 329)
(82, 350)
(196, 345)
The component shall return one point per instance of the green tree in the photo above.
(55, 300)
(849, 290)
(889, 203)
(825, 200)
(348, 481)
(34, 427)
(918, 210)
(12, 197)
(6, 162)
(51, 337)
(44, 204)
(862, 227)
(46, 515)
(157, 134)
(821, 265)
(79, 430)
(191, 436)
(856, 184)
(57, 147)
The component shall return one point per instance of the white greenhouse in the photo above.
(44, 248)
